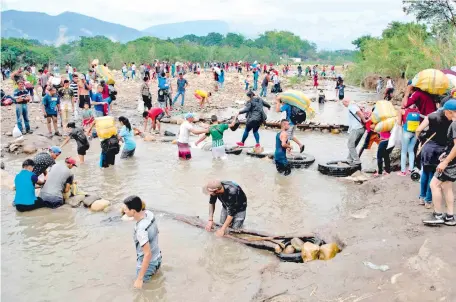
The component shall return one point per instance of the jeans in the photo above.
(180, 93)
(221, 84)
(408, 145)
(124, 75)
(22, 110)
(264, 90)
(238, 218)
(353, 139)
(255, 84)
(133, 73)
(252, 126)
(383, 156)
(154, 266)
(425, 188)
(246, 86)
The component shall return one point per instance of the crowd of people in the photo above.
(83, 99)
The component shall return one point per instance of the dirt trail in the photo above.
(382, 225)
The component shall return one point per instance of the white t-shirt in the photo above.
(389, 84)
(133, 67)
(354, 122)
(184, 132)
(70, 70)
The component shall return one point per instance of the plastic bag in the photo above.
(328, 251)
(140, 106)
(309, 252)
(395, 138)
(16, 132)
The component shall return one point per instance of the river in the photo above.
(75, 255)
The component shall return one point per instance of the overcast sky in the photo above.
(332, 24)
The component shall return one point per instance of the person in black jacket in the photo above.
(255, 117)
(234, 203)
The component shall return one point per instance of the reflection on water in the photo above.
(72, 255)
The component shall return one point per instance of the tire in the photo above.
(302, 161)
(331, 169)
(233, 151)
(295, 257)
(257, 155)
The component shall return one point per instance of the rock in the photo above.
(2, 166)
(99, 205)
(149, 138)
(168, 133)
(9, 134)
(13, 147)
(90, 199)
(297, 244)
(324, 131)
(309, 252)
(29, 149)
(277, 249)
(75, 201)
(335, 131)
(328, 251)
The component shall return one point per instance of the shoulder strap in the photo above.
(356, 117)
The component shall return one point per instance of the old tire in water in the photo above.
(235, 151)
(301, 161)
(258, 155)
(333, 169)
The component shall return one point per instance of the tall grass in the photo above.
(409, 53)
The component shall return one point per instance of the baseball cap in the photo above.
(70, 160)
(450, 105)
(212, 186)
(55, 150)
(189, 115)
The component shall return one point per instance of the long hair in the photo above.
(125, 121)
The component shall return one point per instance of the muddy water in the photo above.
(74, 255)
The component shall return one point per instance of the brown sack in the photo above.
(309, 252)
(328, 251)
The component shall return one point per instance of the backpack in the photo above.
(113, 145)
(297, 115)
(412, 121)
(112, 92)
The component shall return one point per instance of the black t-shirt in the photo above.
(439, 124)
(79, 136)
(233, 198)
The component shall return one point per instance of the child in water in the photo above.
(315, 80)
(247, 82)
(321, 97)
(87, 117)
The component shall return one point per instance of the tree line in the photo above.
(271, 46)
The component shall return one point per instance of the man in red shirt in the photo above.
(422, 100)
(155, 115)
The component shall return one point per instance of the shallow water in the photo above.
(74, 255)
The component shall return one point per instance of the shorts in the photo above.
(159, 117)
(162, 105)
(36, 205)
(219, 152)
(127, 153)
(82, 150)
(444, 177)
(341, 97)
(291, 132)
(52, 201)
(283, 168)
(184, 151)
(238, 218)
(84, 99)
(154, 266)
(48, 115)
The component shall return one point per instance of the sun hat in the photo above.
(212, 186)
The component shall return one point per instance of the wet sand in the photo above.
(73, 254)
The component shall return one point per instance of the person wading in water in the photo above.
(282, 146)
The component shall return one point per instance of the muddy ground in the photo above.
(380, 223)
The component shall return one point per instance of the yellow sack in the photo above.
(432, 81)
(309, 252)
(383, 110)
(386, 125)
(328, 251)
(105, 126)
(104, 73)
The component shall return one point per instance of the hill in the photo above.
(198, 28)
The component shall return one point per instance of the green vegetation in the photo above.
(409, 47)
(268, 47)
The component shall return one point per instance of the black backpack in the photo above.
(112, 92)
(113, 144)
(298, 116)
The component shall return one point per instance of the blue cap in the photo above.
(55, 150)
(409, 82)
(450, 105)
(189, 115)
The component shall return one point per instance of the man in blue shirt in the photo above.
(51, 108)
(99, 102)
(25, 199)
(283, 107)
(182, 84)
(21, 98)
